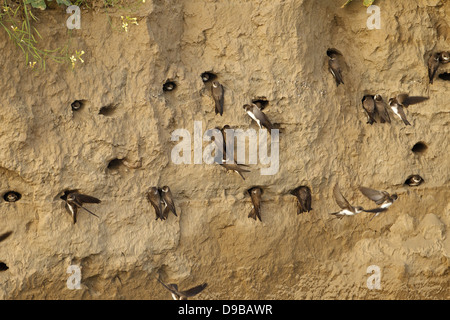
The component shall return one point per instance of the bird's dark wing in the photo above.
(167, 197)
(372, 194)
(376, 210)
(382, 111)
(262, 117)
(172, 287)
(86, 199)
(406, 100)
(402, 114)
(340, 200)
(156, 203)
(335, 71)
(195, 290)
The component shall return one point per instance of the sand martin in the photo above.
(12, 196)
(5, 235)
(433, 65)
(404, 100)
(414, 180)
(347, 208)
(217, 94)
(227, 152)
(398, 110)
(75, 200)
(256, 114)
(154, 197)
(382, 109)
(334, 65)
(444, 57)
(255, 195)
(235, 167)
(169, 86)
(381, 198)
(76, 105)
(208, 76)
(166, 196)
(182, 295)
(368, 104)
(303, 195)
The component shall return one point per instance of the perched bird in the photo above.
(224, 136)
(217, 94)
(205, 77)
(334, 66)
(5, 235)
(169, 86)
(182, 295)
(12, 196)
(235, 167)
(208, 76)
(433, 65)
(154, 197)
(255, 195)
(303, 195)
(382, 109)
(76, 105)
(414, 180)
(381, 198)
(368, 104)
(75, 200)
(398, 110)
(404, 100)
(256, 114)
(347, 208)
(444, 57)
(166, 196)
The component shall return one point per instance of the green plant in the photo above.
(40, 4)
(367, 3)
(16, 20)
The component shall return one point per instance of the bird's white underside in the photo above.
(254, 118)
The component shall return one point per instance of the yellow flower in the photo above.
(14, 28)
(73, 60)
(79, 54)
(31, 65)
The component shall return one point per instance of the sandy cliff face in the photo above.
(271, 49)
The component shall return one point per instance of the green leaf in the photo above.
(368, 3)
(39, 4)
(65, 2)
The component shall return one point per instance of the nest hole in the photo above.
(169, 85)
(414, 180)
(115, 164)
(3, 266)
(331, 51)
(12, 196)
(77, 104)
(419, 148)
(208, 76)
(261, 102)
(108, 110)
(445, 76)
